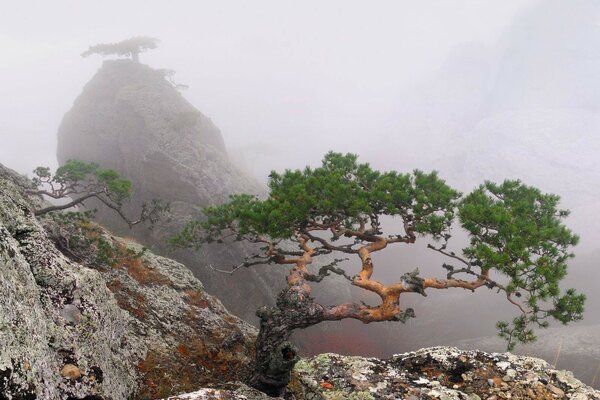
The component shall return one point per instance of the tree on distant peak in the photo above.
(518, 247)
(130, 47)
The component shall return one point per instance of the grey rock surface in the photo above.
(36, 283)
(435, 373)
(232, 391)
(129, 324)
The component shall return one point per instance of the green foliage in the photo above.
(76, 175)
(118, 189)
(80, 181)
(341, 191)
(73, 171)
(515, 230)
(129, 47)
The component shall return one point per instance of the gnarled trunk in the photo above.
(296, 309)
(275, 355)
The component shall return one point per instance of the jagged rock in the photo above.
(434, 373)
(117, 324)
(35, 283)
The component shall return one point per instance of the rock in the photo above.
(567, 378)
(503, 364)
(579, 396)
(555, 390)
(71, 313)
(70, 371)
(131, 119)
(510, 375)
(141, 327)
(236, 391)
(408, 374)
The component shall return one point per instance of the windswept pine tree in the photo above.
(518, 247)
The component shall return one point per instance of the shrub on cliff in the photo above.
(81, 181)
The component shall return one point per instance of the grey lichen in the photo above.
(129, 327)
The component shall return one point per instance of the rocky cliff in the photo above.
(130, 118)
(89, 315)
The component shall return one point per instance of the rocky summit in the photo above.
(130, 118)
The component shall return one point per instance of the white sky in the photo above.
(265, 71)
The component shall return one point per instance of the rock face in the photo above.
(89, 315)
(130, 118)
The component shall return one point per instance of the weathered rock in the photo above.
(234, 391)
(36, 281)
(434, 373)
(116, 325)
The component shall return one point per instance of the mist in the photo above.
(475, 90)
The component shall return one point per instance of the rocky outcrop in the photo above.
(436, 373)
(130, 118)
(443, 373)
(89, 315)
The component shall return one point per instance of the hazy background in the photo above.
(477, 90)
(268, 72)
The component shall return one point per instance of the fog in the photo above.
(476, 90)
(267, 73)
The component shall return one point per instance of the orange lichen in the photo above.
(141, 273)
(196, 298)
(187, 368)
(127, 299)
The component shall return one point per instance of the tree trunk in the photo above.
(275, 355)
(135, 56)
